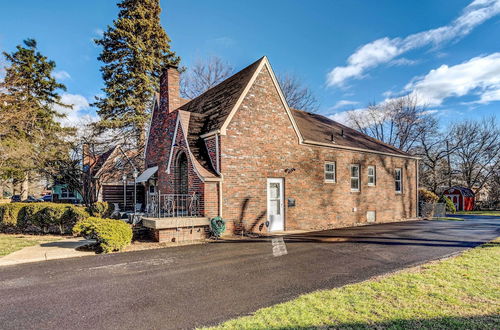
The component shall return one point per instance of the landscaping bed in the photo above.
(456, 293)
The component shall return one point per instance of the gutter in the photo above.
(321, 144)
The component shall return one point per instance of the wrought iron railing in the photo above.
(173, 205)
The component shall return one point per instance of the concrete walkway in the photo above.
(65, 248)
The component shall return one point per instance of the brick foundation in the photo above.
(182, 234)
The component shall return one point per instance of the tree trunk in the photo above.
(25, 187)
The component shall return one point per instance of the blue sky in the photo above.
(349, 52)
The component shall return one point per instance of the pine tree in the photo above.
(134, 51)
(30, 135)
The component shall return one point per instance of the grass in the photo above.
(448, 218)
(456, 293)
(11, 243)
(493, 213)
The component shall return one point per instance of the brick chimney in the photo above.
(169, 89)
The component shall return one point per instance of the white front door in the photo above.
(275, 210)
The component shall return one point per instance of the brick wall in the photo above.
(211, 145)
(261, 143)
(181, 234)
(158, 151)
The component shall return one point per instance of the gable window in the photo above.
(354, 177)
(398, 180)
(330, 172)
(372, 176)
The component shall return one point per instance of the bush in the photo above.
(450, 207)
(427, 196)
(40, 217)
(101, 209)
(9, 213)
(111, 235)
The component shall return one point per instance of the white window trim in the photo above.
(353, 177)
(334, 172)
(400, 191)
(374, 175)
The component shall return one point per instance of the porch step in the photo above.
(174, 222)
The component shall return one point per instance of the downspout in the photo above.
(416, 193)
(217, 162)
(220, 198)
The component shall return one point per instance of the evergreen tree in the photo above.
(134, 51)
(30, 135)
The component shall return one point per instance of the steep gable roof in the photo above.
(216, 103)
(212, 111)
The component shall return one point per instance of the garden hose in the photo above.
(217, 226)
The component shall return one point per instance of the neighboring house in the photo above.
(462, 197)
(238, 151)
(104, 176)
(62, 194)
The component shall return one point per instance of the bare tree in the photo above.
(434, 148)
(399, 122)
(203, 75)
(296, 94)
(477, 157)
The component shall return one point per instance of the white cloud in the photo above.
(479, 76)
(385, 49)
(344, 116)
(343, 103)
(61, 75)
(99, 32)
(80, 113)
(402, 62)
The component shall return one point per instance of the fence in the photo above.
(432, 210)
(173, 205)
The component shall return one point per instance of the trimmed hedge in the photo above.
(101, 209)
(111, 235)
(44, 218)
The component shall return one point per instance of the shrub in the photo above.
(9, 213)
(40, 217)
(450, 207)
(111, 235)
(427, 196)
(101, 209)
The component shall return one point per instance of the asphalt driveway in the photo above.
(200, 285)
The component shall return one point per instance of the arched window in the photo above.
(181, 174)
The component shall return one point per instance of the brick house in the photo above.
(238, 151)
(104, 174)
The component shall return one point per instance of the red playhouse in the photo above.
(462, 197)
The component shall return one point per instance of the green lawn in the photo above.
(11, 243)
(456, 293)
(449, 218)
(495, 213)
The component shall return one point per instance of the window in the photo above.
(372, 176)
(398, 179)
(119, 163)
(355, 177)
(66, 193)
(330, 172)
